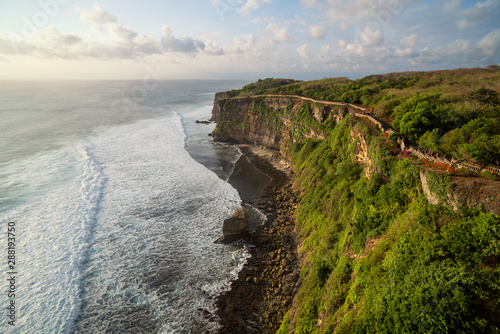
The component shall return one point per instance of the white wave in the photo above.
(54, 229)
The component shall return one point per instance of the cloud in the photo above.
(308, 3)
(481, 12)
(371, 37)
(490, 44)
(250, 5)
(14, 46)
(409, 41)
(452, 6)
(51, 36)
(304, 51)
(97, 15)
(244, 43)
(184, 44)
(359, 11)
(408, 52)
(120, 33)
(51, 43)
(214, 49)
(316, 31)
(456, 52)
(278, 34)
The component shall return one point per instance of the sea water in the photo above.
(114, 219)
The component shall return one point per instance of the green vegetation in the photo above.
(456, 113)
(271, 117)
(439, 184)
(378, 257)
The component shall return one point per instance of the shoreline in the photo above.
(258, 299)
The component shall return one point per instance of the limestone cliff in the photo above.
(271, 121)
(266, 121)
(472, 192)
(349, 225)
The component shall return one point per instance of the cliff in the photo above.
(387, 244)
(458, 192)
(265, 121)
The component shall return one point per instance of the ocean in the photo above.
(116, 196)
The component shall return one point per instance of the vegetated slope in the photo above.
(378, 258)
(454, 112)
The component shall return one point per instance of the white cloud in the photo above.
(214, 49)
(51, 36)
(250, 5)
(317, 31)
(184, 44)
(452, 6)
(244, 43)
(409, 41)
(479, 13)
(14, 46)
(97, 15)
(308, 3)
(278, 34)
(120, 33)
(490, 44)
(371, 37)
(359, 11)
(408, 52)
(304, 51)
(456, 52)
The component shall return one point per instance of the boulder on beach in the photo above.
(235, 228)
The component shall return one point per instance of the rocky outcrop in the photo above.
(472, 192)
(431, 197)
(239, 121)
(235, 228)
(219, 100)
(362, 151)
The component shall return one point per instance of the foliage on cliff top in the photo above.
(379, 258)
(451, 112)
(262, 86)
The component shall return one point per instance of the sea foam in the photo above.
(116, 231)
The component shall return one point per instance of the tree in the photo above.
(485, 95)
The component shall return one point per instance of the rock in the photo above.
(291, 278)
(204, 312)
(235, 228)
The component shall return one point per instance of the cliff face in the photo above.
(266, 121)
(365, 225)
(472, 192)
(238, 121)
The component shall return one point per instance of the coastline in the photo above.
(261, 295)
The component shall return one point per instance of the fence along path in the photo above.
(461, 163)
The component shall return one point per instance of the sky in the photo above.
(242, 39)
